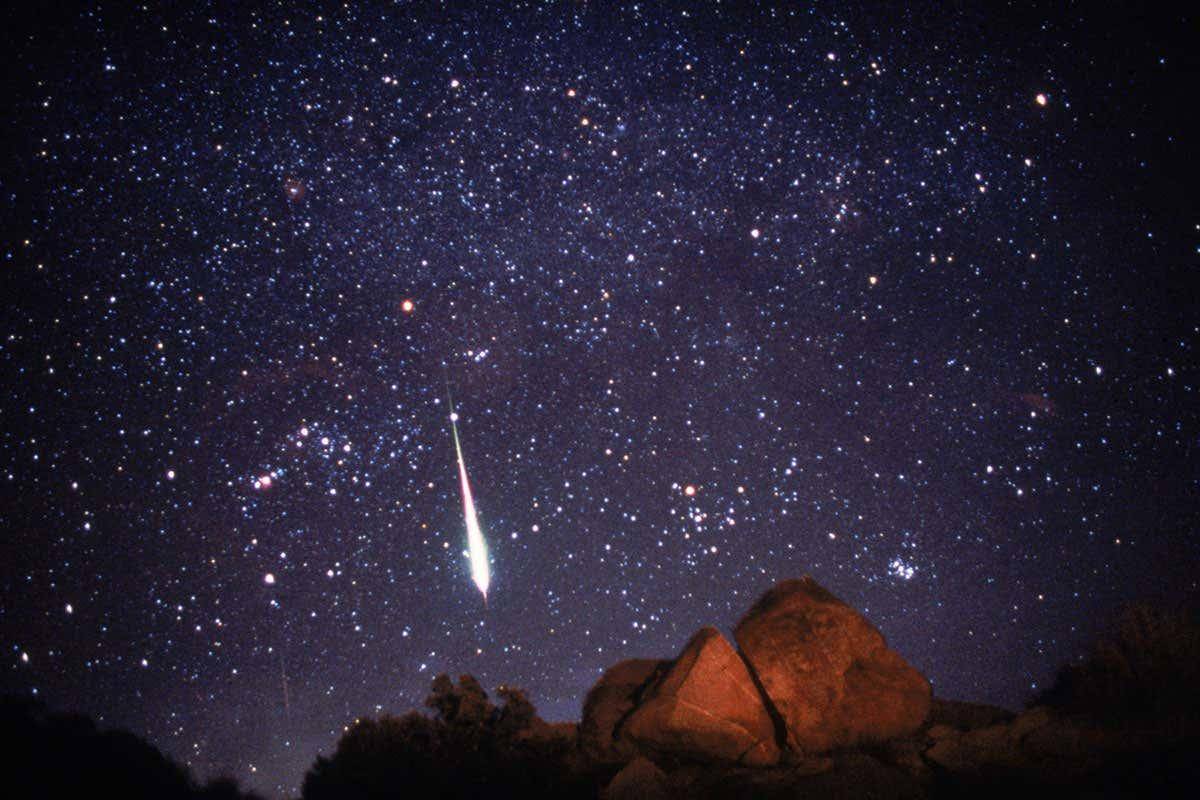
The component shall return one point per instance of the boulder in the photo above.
(906, 755)
(966, 716)
(704, 707)
(607, 703)
(1035, 742)
(995, 747)
(940, 730)
(977, 750)
(640, 779)
(827, 672)
(541, 731)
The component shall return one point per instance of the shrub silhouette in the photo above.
(464, 707)
(1147, 670)
(65, 755)
(468, 748)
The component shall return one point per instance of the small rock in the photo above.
(941, 731)
(976, 750)
(640, 779)
(905, 755)
(1028, 721)
(799, 765)
(966, 716)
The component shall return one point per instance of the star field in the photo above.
(724, 295)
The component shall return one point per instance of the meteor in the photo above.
(476, 545)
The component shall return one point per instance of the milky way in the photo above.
(896, 299)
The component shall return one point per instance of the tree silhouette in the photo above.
(1146, 670)
(516, 714)
(464, 706)
(66, 755)
(468, 748)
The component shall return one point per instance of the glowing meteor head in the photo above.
(481, 578)
(477, 548)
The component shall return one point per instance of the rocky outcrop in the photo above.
(827, 672)
(1034, 742)
(816, 694)
(704, 707)
(812, 676)
(609, 702)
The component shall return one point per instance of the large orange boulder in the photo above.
(827, 672)
(704, 707)
(609, 702)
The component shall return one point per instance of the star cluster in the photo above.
(723, 296)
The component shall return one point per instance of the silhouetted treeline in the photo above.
(66, 755)
(1145, 670)
(468, 748)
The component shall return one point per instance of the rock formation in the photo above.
(705, 707)
(815, 693)
(608, 702)
(812, 676)
(828, 672)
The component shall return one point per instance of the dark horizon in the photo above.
(898, 298)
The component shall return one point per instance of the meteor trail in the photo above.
(476, 545)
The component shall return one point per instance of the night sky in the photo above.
(724, 296)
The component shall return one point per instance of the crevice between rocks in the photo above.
(781, 739)
(638, 696)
